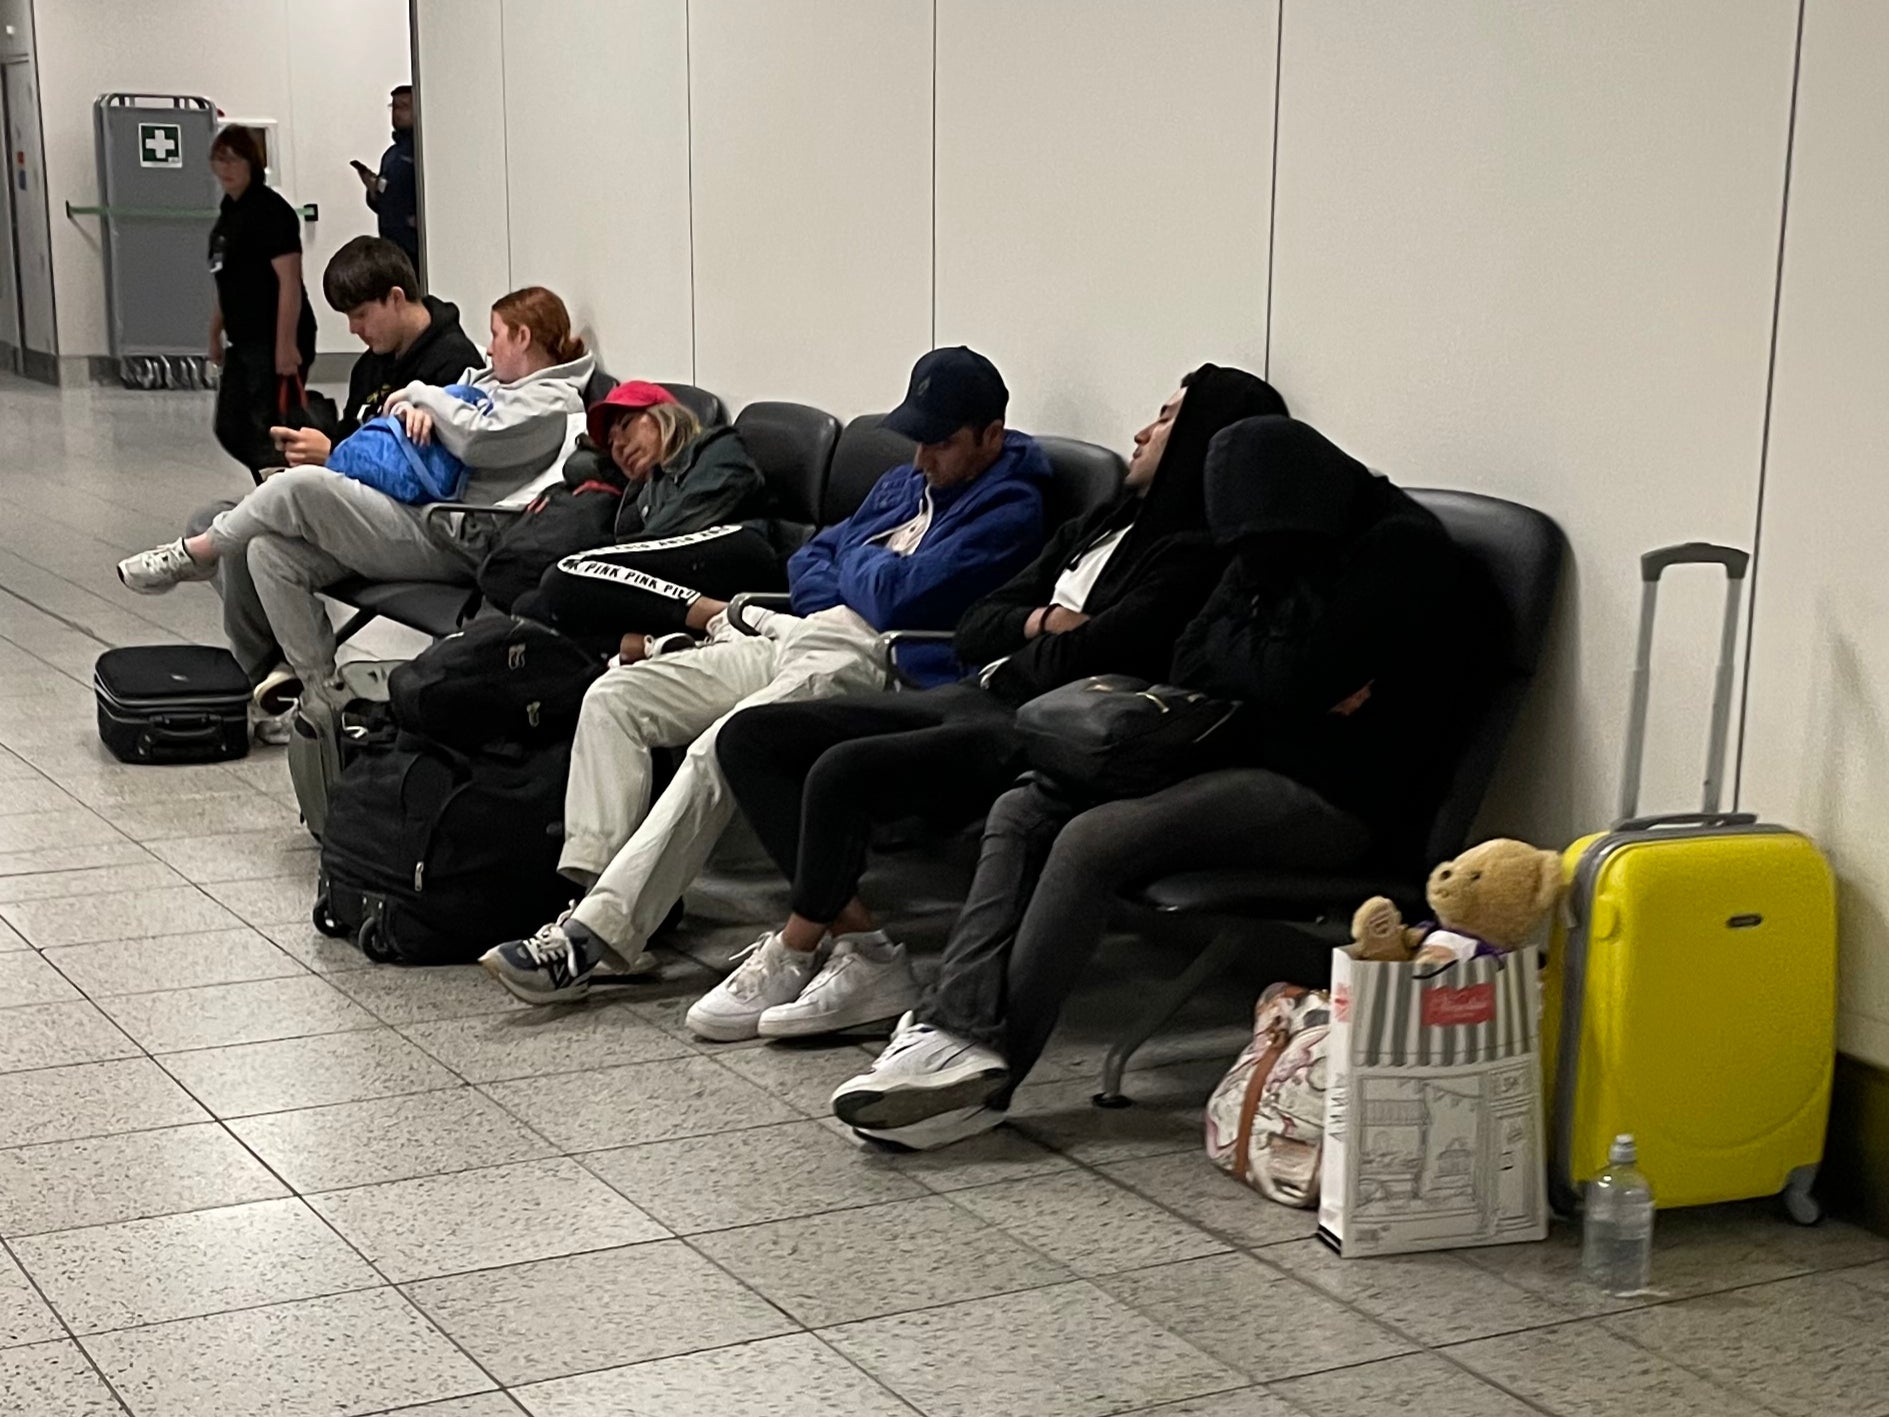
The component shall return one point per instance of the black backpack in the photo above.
(496, 681)
(432, 856)
(561, 522)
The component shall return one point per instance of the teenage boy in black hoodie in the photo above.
(1109, 594)
(372, 282)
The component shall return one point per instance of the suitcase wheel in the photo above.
(1802, 1207)
(324, 920)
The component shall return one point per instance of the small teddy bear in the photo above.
(1487, 901)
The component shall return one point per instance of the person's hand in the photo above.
(1344, 708)
(369, 180)
(1058, 621)
(216, 348)
(288, 360)
(418, 423)
(633, 648)
(302, 446)
(394, 400)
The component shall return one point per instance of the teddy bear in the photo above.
(1487, 901)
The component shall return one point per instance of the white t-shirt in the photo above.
(1075, 585)
(903, 540)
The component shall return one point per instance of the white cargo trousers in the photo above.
(642, 858)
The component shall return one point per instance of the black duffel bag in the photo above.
(1111, 736)
(560, 522)
(496, 681)
(432, 856)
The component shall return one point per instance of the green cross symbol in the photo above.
(160, 145)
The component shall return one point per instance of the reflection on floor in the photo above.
(241, 1173)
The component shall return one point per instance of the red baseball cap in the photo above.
(630, 394)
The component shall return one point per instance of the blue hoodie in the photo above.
(980, 535)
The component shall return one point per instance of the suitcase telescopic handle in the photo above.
(1653, 565)
(1688, 819)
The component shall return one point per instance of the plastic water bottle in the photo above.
(1617, 1224)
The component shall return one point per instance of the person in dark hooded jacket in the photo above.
(1109, 593)
(1356, 637)
(652, 511)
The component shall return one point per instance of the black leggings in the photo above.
(1049, 871)
(599, 596)
(813, 778)
(249, 404)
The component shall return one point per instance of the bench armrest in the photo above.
(761, 600)
(479, 508)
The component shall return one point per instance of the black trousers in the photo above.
(1049, 870)
(599, 596)
(813, 778)
(248, 405)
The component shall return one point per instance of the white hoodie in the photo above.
(515, 436)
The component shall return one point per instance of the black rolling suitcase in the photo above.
(172, 704)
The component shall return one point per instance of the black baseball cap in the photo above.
(951, 389)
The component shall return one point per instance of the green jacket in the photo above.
(711, 482)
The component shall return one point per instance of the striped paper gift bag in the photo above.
(1433, 1117)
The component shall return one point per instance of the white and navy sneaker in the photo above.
(865, 979)
(559, 964)
(155, 571)
(769, 974)
(934, 1132)
(924, 1072)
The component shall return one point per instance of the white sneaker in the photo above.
(933, 1132)
(924, 1072)
(769, 974)
(155, 571)
(271, 730)
(864, 980)
(279, 692)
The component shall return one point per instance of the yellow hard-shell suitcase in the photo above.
(1690, 991)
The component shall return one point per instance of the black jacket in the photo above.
(1340, 581)
(1163, 569)
(1145, 595)
(439, 356)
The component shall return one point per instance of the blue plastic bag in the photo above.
(380, 454)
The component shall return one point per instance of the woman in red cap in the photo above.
(653, 511)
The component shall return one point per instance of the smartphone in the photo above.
(363, 168)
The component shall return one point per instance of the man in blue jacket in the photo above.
(931, 537)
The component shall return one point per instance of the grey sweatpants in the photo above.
(1049, 870)
(304, 529)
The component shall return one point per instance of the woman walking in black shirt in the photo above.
(262, 328)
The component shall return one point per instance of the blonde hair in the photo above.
(540, 311)
(678, 426)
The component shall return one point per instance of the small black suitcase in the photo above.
(172, 704)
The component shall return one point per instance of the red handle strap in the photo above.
(282, 393)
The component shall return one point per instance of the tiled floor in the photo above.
(242, 1174)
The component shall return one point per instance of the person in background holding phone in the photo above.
(391, 192)
(262, 328)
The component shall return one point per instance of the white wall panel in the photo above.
(812, 186)
(1104, 172)
(344, 56)
(1529, 249)
(597, 139)
(464, 226)
(1817, 752)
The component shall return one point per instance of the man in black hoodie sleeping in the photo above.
(1109, 594)
(408, 337)
(1358, 640)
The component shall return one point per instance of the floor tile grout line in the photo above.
(65, 1328)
